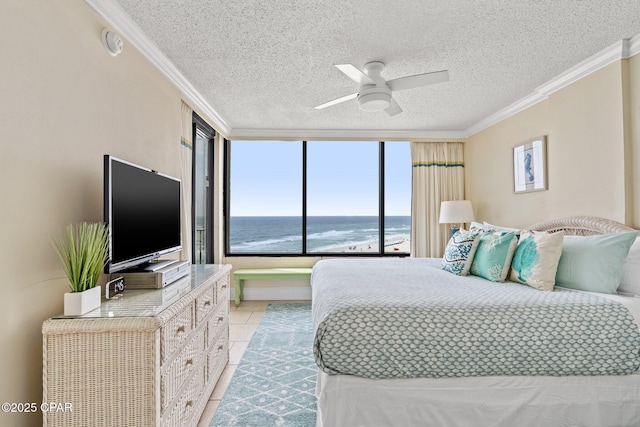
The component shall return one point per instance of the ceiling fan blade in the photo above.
(393, 108)
(418, 80)
(336, 101)
(355, 74)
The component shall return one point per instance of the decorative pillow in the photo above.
(630, 278)
(594, 263)
(488, 226)
(492, 259)
(536, 259)
(478, 226)
(459, 252)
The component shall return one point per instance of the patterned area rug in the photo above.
(274, 383)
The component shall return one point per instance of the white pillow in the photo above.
(488, 226)
(476, 225)
(536, 259)
(630, 278)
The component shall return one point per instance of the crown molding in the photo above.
(120, 21)
(623, 49)
(310, 134)
(634, 45)
(505, 113)
(609, 55)
(117, 18)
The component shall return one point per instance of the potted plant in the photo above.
(83, 250)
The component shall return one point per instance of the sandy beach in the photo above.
(400, 245)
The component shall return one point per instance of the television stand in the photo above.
(154, 276)
(152, 362)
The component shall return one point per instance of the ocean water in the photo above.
(283, 234)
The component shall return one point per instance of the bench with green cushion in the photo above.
(242, 274)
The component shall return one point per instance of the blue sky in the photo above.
(342, 178)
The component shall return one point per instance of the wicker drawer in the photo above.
(218, 323)
(183, 409)
(217, 358)
(175, 331)
(180, 369)
(166, 382)
(204, 304)
(222, 290)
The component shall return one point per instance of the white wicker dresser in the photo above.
(149, 358)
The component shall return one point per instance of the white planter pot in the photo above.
(79, 303)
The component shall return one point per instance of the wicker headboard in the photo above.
(581, 226)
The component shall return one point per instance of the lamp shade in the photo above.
(456, 212)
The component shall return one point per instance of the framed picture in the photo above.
(530, 165)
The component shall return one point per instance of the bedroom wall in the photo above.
(65, 103)
(584, 123)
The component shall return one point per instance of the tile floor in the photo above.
(243, 321)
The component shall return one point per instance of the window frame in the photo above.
(200, 125)
(381, 212)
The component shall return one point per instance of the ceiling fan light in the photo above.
(374, 101)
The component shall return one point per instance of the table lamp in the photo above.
(456, 213)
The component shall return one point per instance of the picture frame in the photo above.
(530, 165)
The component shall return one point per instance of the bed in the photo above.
(400, 342)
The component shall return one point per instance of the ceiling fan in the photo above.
(374, 93)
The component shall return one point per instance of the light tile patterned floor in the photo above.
(243, 322)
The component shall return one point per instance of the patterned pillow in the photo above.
(492, 260)
(459, 252)
(594, 263)
(536, 259)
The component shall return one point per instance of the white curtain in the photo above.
(438, 175)
(186, 147)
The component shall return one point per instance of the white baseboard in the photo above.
(274, 293)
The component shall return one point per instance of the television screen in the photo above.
(142, 209)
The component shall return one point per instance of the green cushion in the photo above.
(594, 263)
(493, 256)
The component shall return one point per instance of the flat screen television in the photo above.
(142, 210)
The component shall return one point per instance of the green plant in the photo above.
(83, 250)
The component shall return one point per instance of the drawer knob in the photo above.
(180, 329)
(208, 302)
(220, 347)
(189, 403)
(223, 286)
(189, 362)
(220, 319)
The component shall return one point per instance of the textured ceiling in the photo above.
(265, 64)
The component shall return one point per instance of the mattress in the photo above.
(579, 401)
(406, 318)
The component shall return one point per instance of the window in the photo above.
(202, 197)
(265, 201)
(318, 197)
(397, 197)
(343, 196)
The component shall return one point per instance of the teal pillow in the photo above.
(493, 256)
(594, 263)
